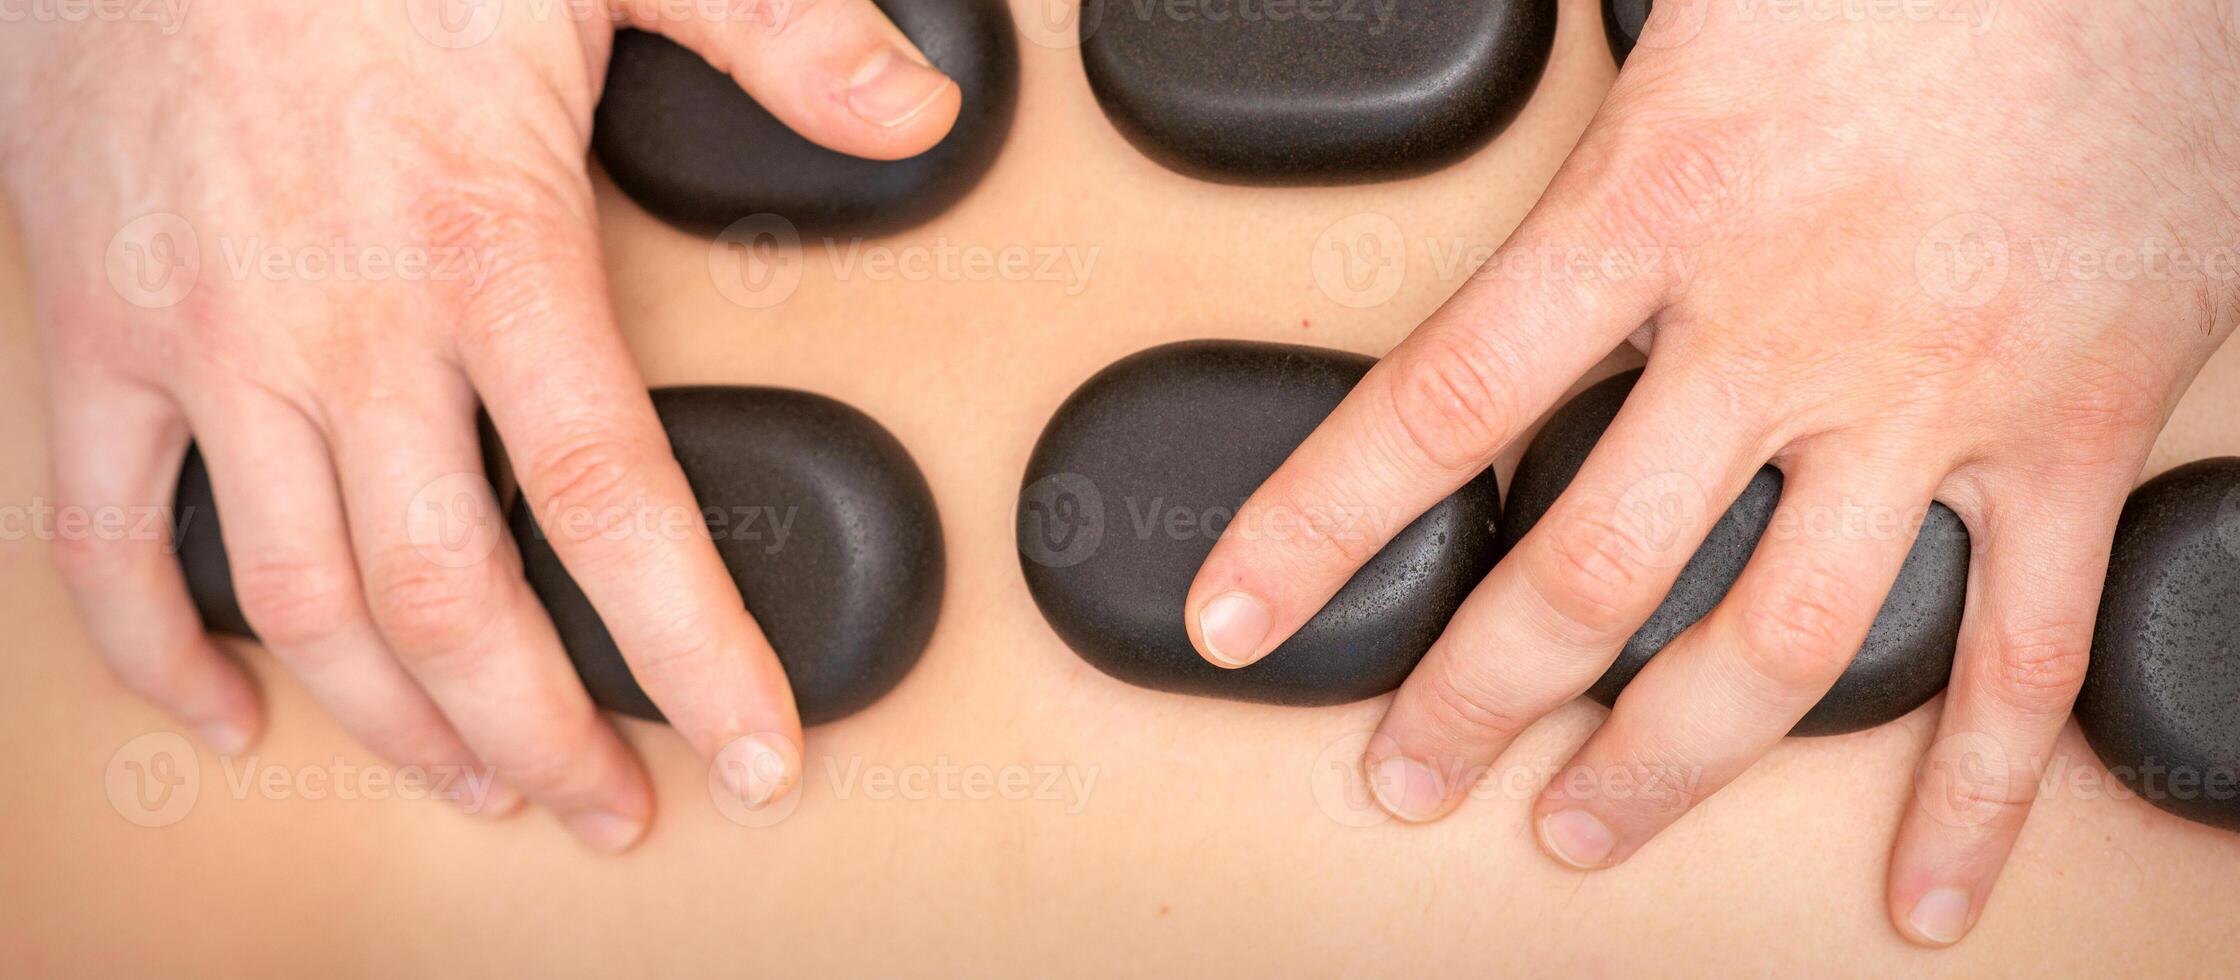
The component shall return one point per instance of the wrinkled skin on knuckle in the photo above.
(1453, 400)
(296, 603)
(1799, 632)
(2038, 670)
(1591, 576)
(1466, 708)
(431, 615)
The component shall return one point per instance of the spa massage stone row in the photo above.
(1137, 472)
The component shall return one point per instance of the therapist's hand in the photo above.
(1902, 260)
(312, 237)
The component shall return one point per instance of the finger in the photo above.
(297, 581)
(117, 446)
(597, 472)
(836, 71)
(1726, 690)
(448, 596)
(1428, 418)
(2033, 591)
(1553, 615)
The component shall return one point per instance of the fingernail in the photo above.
(1406, 788)
(609, 832)
(1234, 625)
(756, 768)
(1941, 916)
(1576, 838)
(225, 737)
(892, 88)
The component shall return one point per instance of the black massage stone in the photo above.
(847, 593)
(1349, 91)
(1142, 467)
(1621, 23)
(685, 142)
(2161, 699)
(1908, 653)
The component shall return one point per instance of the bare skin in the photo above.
(1215, 839)
(335, 401)
(1901, 258)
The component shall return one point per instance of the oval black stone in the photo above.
(819, 514)
(1907, 657)
(1621, 23)
(2161, 698)
(685, 142)
(823, 520)
(1344, 91)
(1142, 467)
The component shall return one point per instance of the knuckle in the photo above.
(90, 561)
(557, 765)
(1588, 578)
(1463, 705)
(2040, 669)
(296, 603)
(1798, 634)
(515, 232)
(1681, 178)
(429, 614)
(585, 483)
(687, 648)
(159, 678)
(1452, 400)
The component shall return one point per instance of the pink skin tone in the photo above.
(1900, 258)
(337, 413)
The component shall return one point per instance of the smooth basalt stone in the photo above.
(819, 514)
(1142, 467)
(1908, 653)
(823, 520)
(2161, 699)
(1352, 90)
(1621, 23)
(685, 142)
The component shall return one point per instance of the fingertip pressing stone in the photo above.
(1907, 657)
(1621, 24)
(818, 513)
(1349, 91)
(694, 149)
(823, 520)
(2161, 698)
(1141, 469)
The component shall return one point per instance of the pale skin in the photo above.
(384, 633)
(326, 407)
(1901, 259)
